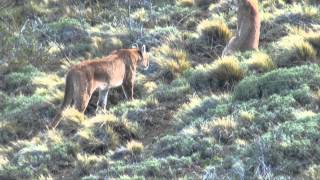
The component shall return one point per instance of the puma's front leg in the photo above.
(124, 91)
(103, 99)
(128, 87)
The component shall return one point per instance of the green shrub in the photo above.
(67, 22)
(36, 160)
(22, 77)
(175, 145)
(177, 90)
(167, 15)
(279, 81)
(23, 117)
(157, 35)
(289, 149)
(189, 112)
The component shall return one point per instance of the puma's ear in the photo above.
(135, 45)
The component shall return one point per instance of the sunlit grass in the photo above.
(261, 62)
(214, 29)
(135, 147)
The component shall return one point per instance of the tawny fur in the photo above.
(116, 69)
(248, 28)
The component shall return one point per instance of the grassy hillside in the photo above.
(253, 115)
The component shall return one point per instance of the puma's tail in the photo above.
(67, 100)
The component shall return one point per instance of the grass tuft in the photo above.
(261, 62)
(135, 147)
(214, 31)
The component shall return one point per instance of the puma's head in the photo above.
(144, 57)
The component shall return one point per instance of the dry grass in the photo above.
(246, 116)
(314, 40)
(71, 119)
(135, 147)
(261, 62)
(305, 51)
(214, 31)
(228, 71)
(176, 60)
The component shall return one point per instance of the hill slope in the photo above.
(253, 115)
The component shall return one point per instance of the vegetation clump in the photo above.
(223, 73)
(214, 31)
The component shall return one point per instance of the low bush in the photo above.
(282, 150)
(177, 90)
(279, 81)
(40, 160)
(22, 77)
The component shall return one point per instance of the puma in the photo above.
(248, 28)
(117, 69)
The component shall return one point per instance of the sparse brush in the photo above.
(214, 30)
(222, 129)
(135, 147)
(261, 62)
